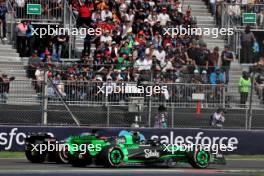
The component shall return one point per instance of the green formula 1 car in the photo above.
(129, 150)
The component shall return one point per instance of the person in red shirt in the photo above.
(213, 60)
(187, 19)
(85, 13)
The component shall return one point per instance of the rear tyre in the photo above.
(199, 159)
(34, 156)
(80, 160)
(112, 157)
(62, 157)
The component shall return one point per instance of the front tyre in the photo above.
(199, 159)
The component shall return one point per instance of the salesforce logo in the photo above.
(198, 138)
(13, 138)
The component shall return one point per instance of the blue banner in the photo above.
(241, 142)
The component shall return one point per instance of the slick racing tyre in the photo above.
(35, 156)
(112, 157)
(80, 160)
(199, 159)
(62, 157)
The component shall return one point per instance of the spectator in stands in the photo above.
(160, 55)
(247, 39)
(213, 60)
(234, 12)
(132, 45)
(39, 74)
(87, 44)
(85, 13)
(4, 87)
(226, 58)
(161, 118)
(217, 77)
(75, 7)
(218, 14)
(22, 38)
(29, 34)
(3, 11)
(213, 6)
(217, 119)
(204, 77)
(260, 84)
(256, 50)
(59, 42)
(177, 18)
(201, 60)
(244, 87)
(163, 17)
(33, 63)
(261, 19)
(106, 37)
(56, 80)
(20, 8)
(106, 14)
(260, 62)
(196, 77)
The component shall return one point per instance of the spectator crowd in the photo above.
(133, 46)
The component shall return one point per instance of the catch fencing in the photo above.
(119, 93)
(113, 104)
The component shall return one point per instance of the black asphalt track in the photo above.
(21, 167)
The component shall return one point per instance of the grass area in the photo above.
(7, 154)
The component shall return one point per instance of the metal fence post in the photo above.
(45, 98)
(149, 113)
(224, 95)
(12, 29)
(250, 101)
(222, 15)
(238, 34)
(64, 13)
(172, 117)
(70, 36)
(246, 120)
(108, 115)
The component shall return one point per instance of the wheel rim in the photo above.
(116, 156)
(64, 156)
(203, 158)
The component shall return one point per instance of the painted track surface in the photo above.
(15, 167)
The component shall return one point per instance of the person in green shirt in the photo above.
(244, 87)
(126, 49)
(122, 62)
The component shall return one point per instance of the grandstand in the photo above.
(77, 66)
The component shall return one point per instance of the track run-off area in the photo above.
(15, 167)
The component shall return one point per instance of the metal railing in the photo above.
(230, 19)
(70, 21)
(118, 93)
(11, 22)
(99, 104)
(39, 10)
